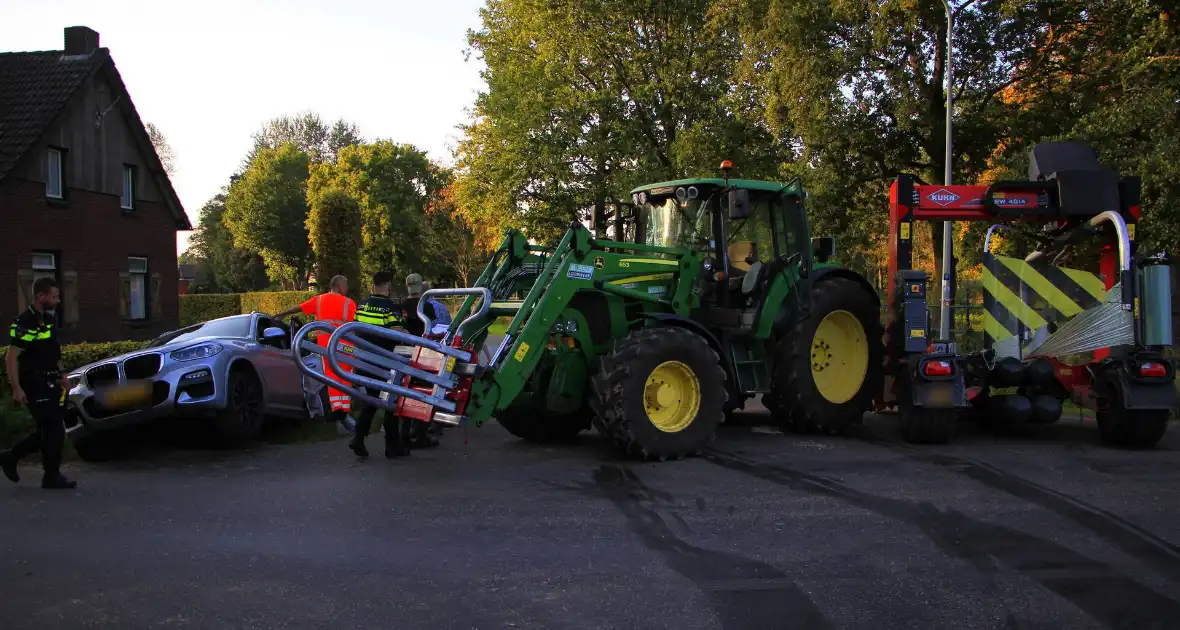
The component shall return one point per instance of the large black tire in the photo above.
(802, 357)
(245, 411)
(1130, 428)
(542, 427)
(627, 382)
(927, 426)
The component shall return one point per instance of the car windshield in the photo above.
(668, 223)
(226, 327)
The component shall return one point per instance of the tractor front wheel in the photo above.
(828, 365)
(661, 393)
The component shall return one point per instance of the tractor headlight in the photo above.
(203, 351)
(708, 263)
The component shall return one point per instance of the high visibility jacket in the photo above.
(336, 309)
(381, 311)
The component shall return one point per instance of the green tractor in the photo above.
(717, 295)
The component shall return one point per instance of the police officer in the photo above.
(379, 310)
(38, 380)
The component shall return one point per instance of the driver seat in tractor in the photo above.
(746, 268)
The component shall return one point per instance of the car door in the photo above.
(284, 385)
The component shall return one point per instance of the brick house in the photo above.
(83, 196)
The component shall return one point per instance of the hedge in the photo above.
(271, 302)
(203, 307)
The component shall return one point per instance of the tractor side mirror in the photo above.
(739, 204)
(823, 248)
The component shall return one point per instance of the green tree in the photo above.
(858, 86)
(307, 130)
(221, 266)
(1112, 78)
(586, 98)
(451, 253)
(393, 184)
(266, 212)
(334, 225)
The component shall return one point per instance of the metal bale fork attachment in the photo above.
(426, 379)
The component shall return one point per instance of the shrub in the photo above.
(271, 302)
(76, 355)
(195, 309)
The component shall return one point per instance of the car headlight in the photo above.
(203, 351)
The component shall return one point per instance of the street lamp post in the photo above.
(948, 245)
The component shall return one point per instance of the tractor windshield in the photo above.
(669, 223)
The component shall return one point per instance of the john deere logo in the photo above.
(599, 262)
(943, 197)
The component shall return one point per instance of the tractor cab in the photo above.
(743, 230)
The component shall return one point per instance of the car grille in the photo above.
(142, 366)
(105, 374)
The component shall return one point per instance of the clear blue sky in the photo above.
(209, 73)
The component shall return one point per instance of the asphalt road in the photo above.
(764, 531)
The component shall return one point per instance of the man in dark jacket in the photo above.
(38, 381)
(379, 310)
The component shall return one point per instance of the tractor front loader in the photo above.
(718, 294)
(1053, 334)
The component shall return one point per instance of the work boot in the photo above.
(394, 451)
(357, 444)
(58, 482)
(8, 464)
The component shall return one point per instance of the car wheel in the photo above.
(245, 409)
(96, 448)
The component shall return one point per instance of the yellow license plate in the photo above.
(129, 396)
(940, 396)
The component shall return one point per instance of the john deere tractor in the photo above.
(717, 294)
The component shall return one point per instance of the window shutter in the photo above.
(154, 296)
(24, 292)
(69, 297)
(124, 295)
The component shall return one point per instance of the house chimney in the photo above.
(80, 40)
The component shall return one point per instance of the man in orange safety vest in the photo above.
(336, 308)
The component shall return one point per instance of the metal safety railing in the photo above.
(376, 368)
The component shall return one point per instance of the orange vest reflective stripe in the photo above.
(334, 308)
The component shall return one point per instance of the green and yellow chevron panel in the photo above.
(1034, 294)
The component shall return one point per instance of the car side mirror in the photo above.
(274, 334)
(739, 204)
(823, 248)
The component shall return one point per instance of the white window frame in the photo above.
(54, 182)
(127, 198)
(137, 268)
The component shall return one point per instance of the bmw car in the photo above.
(234, 371)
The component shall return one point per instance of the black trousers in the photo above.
(397, 432)
(50, 436)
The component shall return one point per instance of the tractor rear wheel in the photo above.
(828, 365)
(660, 393)
(541, 426)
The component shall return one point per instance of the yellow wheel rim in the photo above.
(672, 396)
(839, 356)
